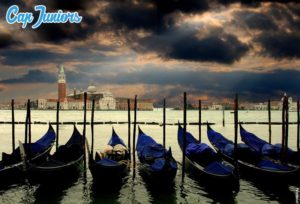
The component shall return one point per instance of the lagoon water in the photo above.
(136, 191)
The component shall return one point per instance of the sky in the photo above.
(211, 49)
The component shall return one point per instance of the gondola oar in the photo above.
(13, 123)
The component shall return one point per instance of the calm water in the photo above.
(136, 191)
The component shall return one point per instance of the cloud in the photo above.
(256, 20)
(183, 43)
(280, 45)
(33, 76)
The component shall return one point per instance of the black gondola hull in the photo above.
(251, 172)
(223, 182)
(17, 172)
(55, 174)
(102, 173)
(164, 176)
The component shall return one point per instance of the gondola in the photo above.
(268, 150)
(206, 165)
(11, 165)
(113, 164)
(157, 164)
(63, 165)
(250, 162)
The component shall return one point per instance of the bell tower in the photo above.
(61, 84)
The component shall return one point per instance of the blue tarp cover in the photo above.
(115, 140)
(256, 143)
(267, 164)
(199, 149)
(154, 151)
(148, 150)
(144, 140)
(158, 164)
(44, 142)
(218, 168)
(223, 144)
(262, 146)
(278, 147)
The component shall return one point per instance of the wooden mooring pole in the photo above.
(129, 128)
(84, 131)
(134, 135)
(286, 126)
(57, 124)
(223, 122)
(164, 124)
(236, 108)
(13, 123)
(184, 135)
(92, 128)
(29, 130)
(283, 128)
(200, 119)
(269, 121)
(298, 125)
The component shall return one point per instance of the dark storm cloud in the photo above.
(255, 20)
(38, 56)
(26, 57)
(280, 45)
(33, 76)
(183, 44)
(7, 40)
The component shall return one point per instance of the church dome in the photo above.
(92, 88)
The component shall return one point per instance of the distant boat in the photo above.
(205, 163)
(11, 165)
(114, 165)
(250, 162)
(65, 164)
(157, 164)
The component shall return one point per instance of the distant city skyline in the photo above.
(210, 49)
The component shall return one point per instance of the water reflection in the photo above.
(53, 192)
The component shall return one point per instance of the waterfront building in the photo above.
(142, 104)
